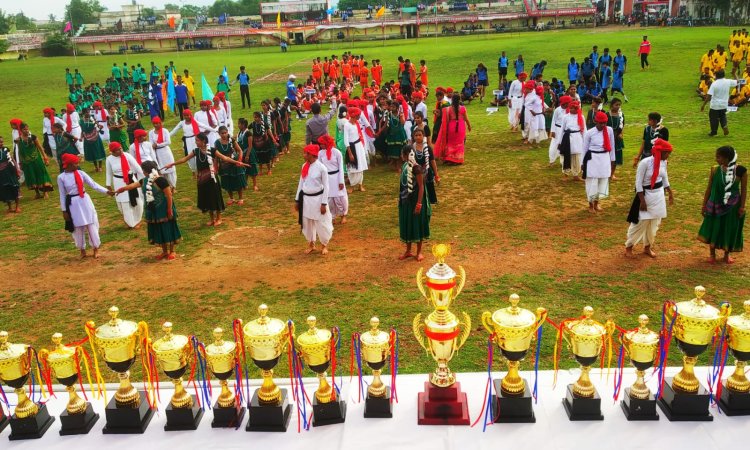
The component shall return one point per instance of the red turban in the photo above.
(328, 142)
(529, 85)
(522, 75)
(137, 145)
(114, 145)
(660, 146)
(140, 133)
(440, 89)
(577, 105)
(601, 117)
(68, 120)
(223, 97)
(187, 113)
(540, 90)
(157, 119)
(98, 104)
(565, 99)
(68, 159)
(70, 108)
(16, 124)
(354, 112)
(344, 96)
(416, 96)
(312, 149)
(449, 90)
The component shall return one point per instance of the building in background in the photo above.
(293, 10)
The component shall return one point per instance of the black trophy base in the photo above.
(379, 407)
(328, 413)
(269, 417)
(639, 409)
(227, 417)
(682, 407)
(127, 420)
(582, 408)
(72, 424)
(30, 427)
(3, 421)
(731, 403)
(181, 419)
(512, 409)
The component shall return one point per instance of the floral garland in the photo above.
(210, 161)
(150, 185)
(412, 161)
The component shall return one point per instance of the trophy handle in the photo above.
(625, 343)
(466, 329)
(670, 312)
(461, 276)
(487, 322)
(285, 337)
(417, 326)
(725, 311)
(541, 317)
(420, 282)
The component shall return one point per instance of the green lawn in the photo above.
(513, 224)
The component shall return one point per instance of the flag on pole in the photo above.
(171, 22)
(278, 20)
(68, 27)
(380, 12)
(206, 92)
(170, 90)
(225, 74)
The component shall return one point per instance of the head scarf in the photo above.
(223, 97)
(539, 91)
(69, 108)
(577, 105)
(565, 99)
(601, 117)
(312, 149)
(659, 147)
(328, 142)
(353, 112)
(68, 159)
(50, 114)
(160, 135)
(523, 75)
(188, 116)
(137, 144)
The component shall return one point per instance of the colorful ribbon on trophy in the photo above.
(487, 397)
(620, 363)
(46, 372)
(35, 376)
(239, 339)
(721, 351)
(665, 339)
(556, 350)
(298, 387)
(90, 329)
(537, 355)
(3, 401)
(150, 370)
(356, 354)
(394, 364)
(199, 370)
(335, 345)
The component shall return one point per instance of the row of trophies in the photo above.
(694, 324)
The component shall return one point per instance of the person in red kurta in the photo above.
(317, 73)
(423, 72)
(364, 75)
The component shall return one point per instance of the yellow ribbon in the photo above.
(98, 375)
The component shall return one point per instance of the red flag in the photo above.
(171, 22)
(68, 27)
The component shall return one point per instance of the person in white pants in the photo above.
(161, 140)
(515, 100)
(312, 201)
(556, 130)
(598, 160)
(50, 119)
(72, 120)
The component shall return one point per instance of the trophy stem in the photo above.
(377, 388)
(126, 395)
(685, 379)
(226, 399)
(269, 393)
(512, 384)
(325, 391)
(25, 408)
(738, 382)
(76, 405)
(583, 387)
(180, 398)
(639, 390)
(442, 377)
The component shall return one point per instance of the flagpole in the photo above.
(75, 55)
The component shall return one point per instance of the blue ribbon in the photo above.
(536, 363)
(201, 373)
(662, 346)
(618, 378)
(394, 392)
(358, 355)
(488, 400)
(333, 375)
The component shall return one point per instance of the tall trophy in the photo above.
(513, 328)
(585, 337)
(128, 412)
(315, 347)
(173, 352)
(375, 346)
(695, 323)
(265, 339)
(220, 357)
(79, 416)
(28, 420)
(735, 397)
(642, 346)
(442, 402)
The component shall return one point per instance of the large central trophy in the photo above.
(586, 337)
(79, 416)
(173, 351)
(375, 345)
(29, 420)
(512, 329)
(265, 339)
(735, 397)
(315, 345)
(642, 345)
(221, 358)
(128, 411)
(442, 402)
(695, 324)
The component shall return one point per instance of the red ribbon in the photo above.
(440, 286)
(436, 336)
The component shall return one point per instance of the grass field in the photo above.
(513, 224)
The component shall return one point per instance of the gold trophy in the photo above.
(735, 397)
(375, 347)
(173, 352)
(29, 420)
(513, 329)
(265, 339)
(445, 335)
(220, 358)
(79, 416)
(315, 348)
(642, 346)
(585, 337)
(117, 341)
(695, 323)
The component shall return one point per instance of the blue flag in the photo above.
(206, 92)
(170, 90)
(225, 74)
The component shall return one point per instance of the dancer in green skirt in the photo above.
(232, 176)
(93, 149)
(249, 156)
(724, 206)
(116, 125)
(395, 137)
(414, 209)
(34, 163)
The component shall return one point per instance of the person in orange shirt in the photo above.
(377, 72)
(364, 74)
(326, 66)
(333, 69)
(346, 70)
(423, 72)
(317, 73)
(400, 66)
(355, 66)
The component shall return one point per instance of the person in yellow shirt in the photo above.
(189, 82)
(706, 61)
(706, 79)
(741, 97)
(720, 59)
(738, 55)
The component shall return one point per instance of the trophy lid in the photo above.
(169, 342)
(61, 352)
(697, 308)
(116, 328)
(220, 346)
(264, 325)
(8, 351)
(513, 316)
(314, 335)
(642, 335)
(441, 271)
(586, 326)
(740, 322)
(374, 336)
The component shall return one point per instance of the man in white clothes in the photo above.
(718, 96)
(598, 160)
(50, 119)
(515, 101)
(227, 105)
(190, 128)
(208, 121)
(571, 141)
(160, 141)
(100, 115)
(556, 129)
(72, 125)
(312, 201)
(333, 160)
(121, 170)
(221, 115)
(356, 160)
(141, 149)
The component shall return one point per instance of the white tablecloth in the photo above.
(552, 430)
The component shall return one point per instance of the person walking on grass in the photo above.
(121, 170)
(718, 97)
(10, 172)
(311, 201)
(598, 161)
(724, 206)
(414, 210)
(33, 162)
(333, 160)
(644, 50)
(233, 178)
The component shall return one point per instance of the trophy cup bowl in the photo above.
(375, 345)
(513, 328)
(173, 353)
(315, 347)
(14, 371)
(265, 339)
(117, 341)
(642, 346)
(738, 329)
(694, 327)
(63, 362)
(220, 357)
(585, 338)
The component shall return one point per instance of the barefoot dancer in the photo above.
(121, 170)
(414, 209)
(34, 163)
(9, 173)
(312, 200)
(356, 155)
(333, 160)
(598, 148)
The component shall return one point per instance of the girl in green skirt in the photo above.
(34, 163)
(116, 125)
(414, 209)
(724, 205)
(232, 176)
(395, 137)
(249, 156)
(93, 149)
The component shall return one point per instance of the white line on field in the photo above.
(277, 71)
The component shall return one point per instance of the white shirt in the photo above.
(352, 135)
(74, 119)
(114, 175)
(600, 165)
(719, 92)
(335, 164)
(656, 205)
(570, 123)
(99, 116)
(421, 107)
(82, 211)
(146, 151)
(315, 181)
(202, 118)
(47, 125)
(166, 136)
(515, 89)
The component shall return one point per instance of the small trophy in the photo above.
(442, 402)
(220, 357)
(642, 346)
(513, 328)
(315, 347)
(28, 420)
(586, 338)
(735, 397)
(128, 412)
(173, 352)
(375, 345)
(79, 416)
(265, 339)
(695, 322)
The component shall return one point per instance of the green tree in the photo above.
(52, 18)
(192, 10)
(4, 44)
(83, 11)
(148, 12)
(23, 22)
(4, 22)
(57, 44)
(171, 7)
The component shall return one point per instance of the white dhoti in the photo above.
(597, 188)
(339, 206)
(536, 134)
(514, 111)
(321, 229)
(356, 178)
(189, 147)
(131, 214)
(164, 156)
(76, 131)
(575, 165)
(643, 231)
(79, 235)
